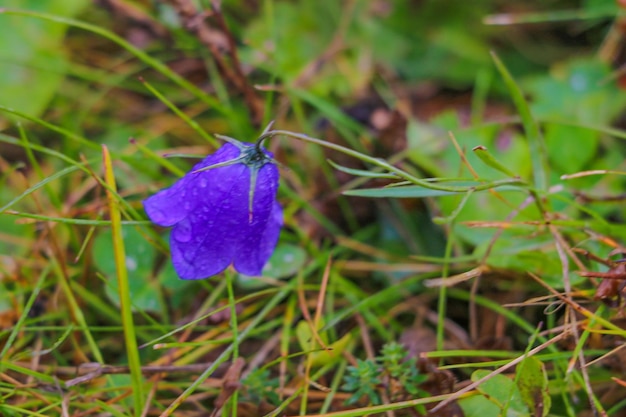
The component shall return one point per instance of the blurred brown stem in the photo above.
(222, 45)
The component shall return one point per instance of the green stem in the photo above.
(130, 339)
(230, 277)
(387, 166)
(227, 353)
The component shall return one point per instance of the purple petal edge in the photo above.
(212, 225)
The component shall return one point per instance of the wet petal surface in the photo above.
(256, 245)
(210, 214)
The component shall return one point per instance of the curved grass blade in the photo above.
(361, 172)
(531, 127)
(130, 339)
(488, 159)
(413, 191)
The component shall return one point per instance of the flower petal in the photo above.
(171, 205)
(204, 243)
(210, 212)
(255, 246)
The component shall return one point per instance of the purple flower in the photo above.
(223, 212)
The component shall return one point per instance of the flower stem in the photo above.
(387, 166)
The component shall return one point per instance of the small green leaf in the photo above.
(176, 290)
(307, 341)
(531, 128)
(571, 148)
(305, 335)
(503, 392)
(363, 380)
(486, 156)
(285, 262)
(576, 92)
(478, 406)
(532, 383)
(144, 291)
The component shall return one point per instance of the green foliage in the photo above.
(300, 32)
(259, 387)
(606, 6)
(363, 379)
(500, 396)
(401, 370)
(526, 396)
(285, 262)
(423, 53)
(308, 342)
(148, 287)
(140, 256)
(576, 90)
(391, 369)
(29, 54)
(455, 176)
(532, 382)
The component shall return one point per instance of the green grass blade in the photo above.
(549, 16)
(361, 172)
(147, 59)
(411, 191)
(192, 123)
(531, 127)
(130, 339)
(488, 159)
(20, 322)
(37, 186)
(258, 319)
(70, 135)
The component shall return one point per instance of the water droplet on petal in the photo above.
(158, 216)
(182, 231)
(131, 263)
(202, 182)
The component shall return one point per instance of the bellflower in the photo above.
(223, 212)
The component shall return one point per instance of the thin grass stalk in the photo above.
(130, 339)
(228, 351)
(536, 144)
(20, 322)
(389, 167)
(76, 311)
(230, 277)
(192, 123)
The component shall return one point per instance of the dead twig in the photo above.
(90, 371)
(122, 9)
